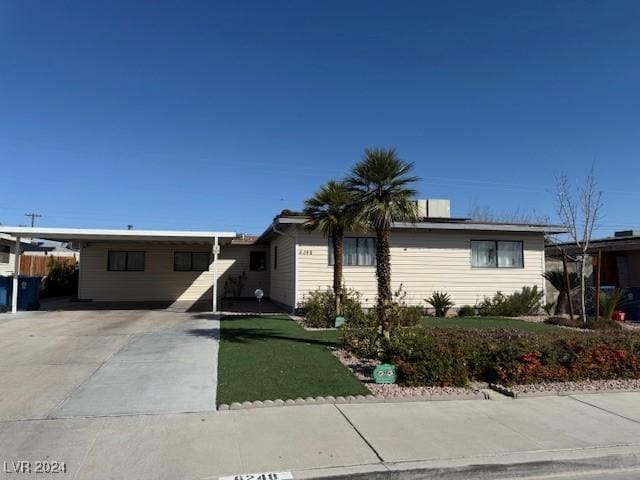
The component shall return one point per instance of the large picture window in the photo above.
(496, 253)
(191, 261)
(357, 251)
(121, 261)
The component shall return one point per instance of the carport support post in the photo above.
(216, 250)
(16, 272)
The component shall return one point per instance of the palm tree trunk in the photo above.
(561, 303)
(338, 256)
(383, 275)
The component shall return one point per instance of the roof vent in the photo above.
(627, 233)
(434, 208)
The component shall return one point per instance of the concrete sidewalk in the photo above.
(583, 434)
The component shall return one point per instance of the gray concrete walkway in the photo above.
(577, 436)
(95, 363)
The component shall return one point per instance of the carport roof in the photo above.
(80, 234)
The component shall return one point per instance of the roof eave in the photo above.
(84, 234)
(477, 226)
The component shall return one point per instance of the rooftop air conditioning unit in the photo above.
(434, 208)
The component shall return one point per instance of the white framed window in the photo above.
(257, 261)
(121, 261)
(191, 261)
(358, 251)
(497, 254)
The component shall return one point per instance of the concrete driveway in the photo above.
(100, 363)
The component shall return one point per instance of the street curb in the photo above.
(354, 400)
(554, 392)
(495, 471)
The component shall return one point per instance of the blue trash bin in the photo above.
(630, 304)
(5, 293)
(28, 292)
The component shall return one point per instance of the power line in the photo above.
(33, 218)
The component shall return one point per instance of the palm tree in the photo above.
(557, 281)
(381, 186)
(328, 211)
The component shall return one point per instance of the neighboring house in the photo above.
(7, 254)
(37, 248)
(467, 259)
(620, 258)
(620, 263)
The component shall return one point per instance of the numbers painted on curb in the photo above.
(260, 476)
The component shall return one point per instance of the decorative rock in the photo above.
(278, 402)
(224, 406)
(360, 398)
(351, 399)
(310, 400)
(341, 400)
(299, 401)
(320, 400)
(330, 399)
(257, 404)
(247, 404)
(235, 406)
(370, 398)
(288, 401)
(268, 403)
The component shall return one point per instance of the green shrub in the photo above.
(320, 310)
(425, 360)
(398, 312)
(466, 311)
(549, 308)
(441, 302)
(453, 357)
(609, 302)
(62, 279)
(361, 336)
(234, 285)
(571, 358)
(525, 302)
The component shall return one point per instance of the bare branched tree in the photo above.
(580, 214)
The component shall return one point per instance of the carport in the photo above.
(137, 265)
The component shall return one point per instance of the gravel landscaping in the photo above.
(570, 388)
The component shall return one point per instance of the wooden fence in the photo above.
(37, 266)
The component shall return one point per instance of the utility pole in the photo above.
(33, 218)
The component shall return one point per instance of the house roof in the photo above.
(84, 234)
(619, 242)
(438, 224)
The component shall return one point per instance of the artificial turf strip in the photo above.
(484, 323)
(266, 358)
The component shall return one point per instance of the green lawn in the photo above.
(483, 323)
(266, 358)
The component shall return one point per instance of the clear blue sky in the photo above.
(217, 115)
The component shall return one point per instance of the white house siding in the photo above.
(159, 282)
(425, 261)
(282, 278)
(6, 269)
(233, 260)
